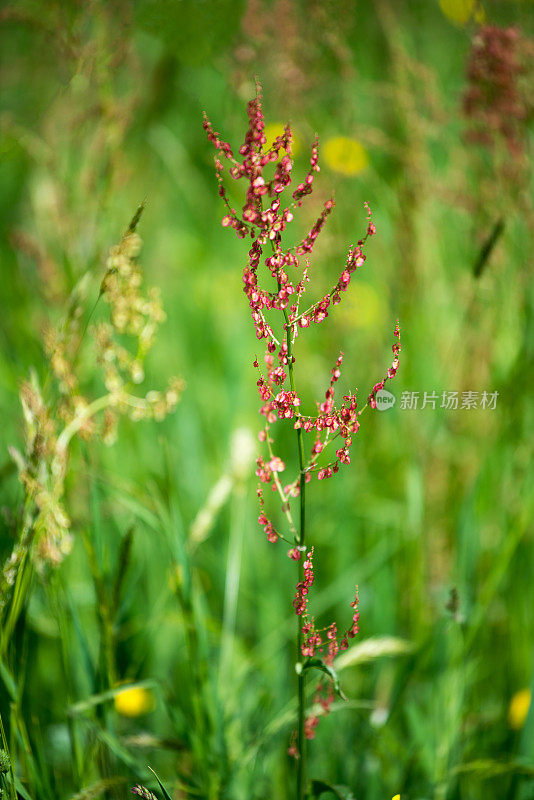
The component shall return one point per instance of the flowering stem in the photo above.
(283, 496)
(301, 680)
(266, 224)
(76, 423)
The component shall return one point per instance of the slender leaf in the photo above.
(166, 795)
(318, 663)
(341, 792)
(373, 648)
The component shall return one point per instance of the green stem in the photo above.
(301, 679)
(19, 562)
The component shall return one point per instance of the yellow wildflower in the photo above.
(397, 797)
(361, 308)
(134, 701)
(518, 709)
(463, 11)
(275, 129)
(345, 155)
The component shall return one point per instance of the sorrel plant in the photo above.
(264, 219)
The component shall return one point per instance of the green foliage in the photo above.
(319, 664)
(318, 788)
(170, 592)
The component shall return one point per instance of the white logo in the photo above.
(384, 400)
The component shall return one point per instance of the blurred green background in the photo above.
(102, 107)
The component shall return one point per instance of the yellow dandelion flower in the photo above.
(275, 129)
(345, 155)
(463, 11)
(134, 701)
(397, 797)
(361, 308)
(518, 709)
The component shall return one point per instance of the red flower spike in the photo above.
(268, 208)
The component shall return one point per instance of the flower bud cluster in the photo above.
(136, 316)
(325, 641)
(264, 218)
(143, 792)
(272, 535)
(392, 371)
(300, 603)
(41, 471)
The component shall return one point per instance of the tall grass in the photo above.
(152, 643)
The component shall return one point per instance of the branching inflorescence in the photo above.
(64, 412)
(264, 219)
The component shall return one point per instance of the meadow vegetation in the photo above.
(146, 620)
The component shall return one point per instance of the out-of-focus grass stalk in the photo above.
(23, 579)
(189, 595)
(231, 585)
(61, 616)
(233, 484)
(106, 672)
